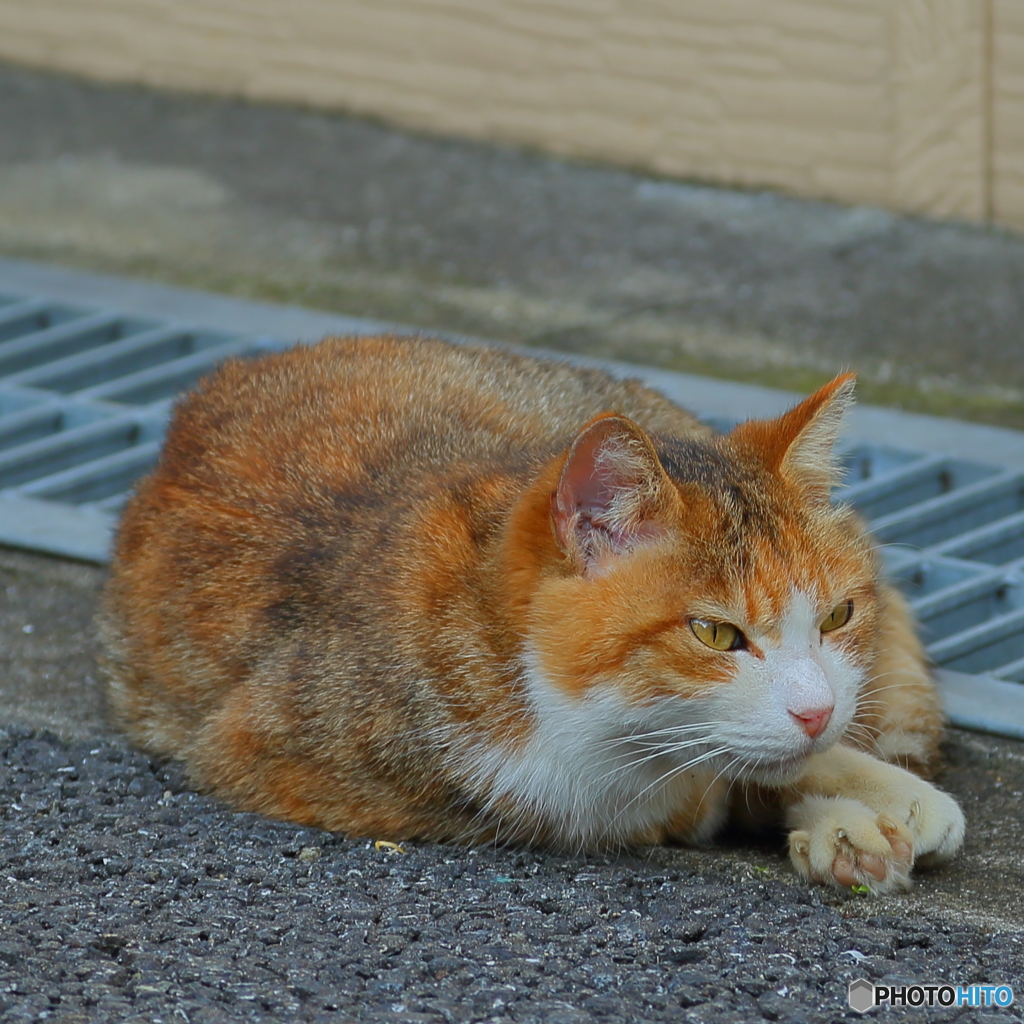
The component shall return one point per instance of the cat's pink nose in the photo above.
(814, 720)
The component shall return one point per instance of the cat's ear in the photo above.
(799, 445)
(612, 496)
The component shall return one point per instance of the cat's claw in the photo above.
(849, 845)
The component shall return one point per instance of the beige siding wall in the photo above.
(912, 104)
(1007, 167)
(940, 126)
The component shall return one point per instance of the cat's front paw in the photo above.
(843, 842)
(864, 822)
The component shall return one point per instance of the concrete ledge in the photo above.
(183, 305)
(81, 533)
(983, 703)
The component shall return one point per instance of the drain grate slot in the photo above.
(918, 481)
(101, 478)
(45, 419)
(18, 319)
(66, 449)
(1012, 672)
(19, 356)
(919, 579)
(30, 425)
(166, 379)
(114, 360)
(995, 544)
(84, 400)
(861, 463)
(963, 607)
(989, 646)
(942, 519)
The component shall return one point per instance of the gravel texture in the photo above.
(127, 897)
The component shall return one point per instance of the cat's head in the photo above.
(705, 590)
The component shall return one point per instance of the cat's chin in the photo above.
(776, 773)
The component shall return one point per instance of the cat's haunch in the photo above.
(409, 589)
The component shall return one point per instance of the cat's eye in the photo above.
(839, 616)
(719, 636)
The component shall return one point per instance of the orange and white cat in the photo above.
(408, 589)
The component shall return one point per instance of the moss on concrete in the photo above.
(444, 305)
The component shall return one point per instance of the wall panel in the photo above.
(911, 104)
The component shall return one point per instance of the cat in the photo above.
(410, 589)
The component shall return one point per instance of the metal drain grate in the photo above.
(84, 400)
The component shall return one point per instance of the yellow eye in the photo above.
(839, 616)
(720, 636)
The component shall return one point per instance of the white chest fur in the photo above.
(596, 768)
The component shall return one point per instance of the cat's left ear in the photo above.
(799, 445)
(613, 495)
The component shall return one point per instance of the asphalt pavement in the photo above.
(127, 896)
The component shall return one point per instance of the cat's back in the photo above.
(410, 405)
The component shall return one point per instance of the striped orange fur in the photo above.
(408, 589)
